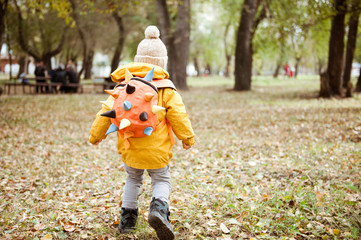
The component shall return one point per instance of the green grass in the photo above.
(214, 81)
(272, 163)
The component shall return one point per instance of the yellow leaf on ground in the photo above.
(220, 189)
(319, 196)
(47, 237)
(336, 231)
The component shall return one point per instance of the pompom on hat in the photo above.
(152, 50)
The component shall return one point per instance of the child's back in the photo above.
(153, 151)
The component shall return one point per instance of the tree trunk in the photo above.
(46, 56)
(228, 65)
(277, 71)
(167, 36)
(325, 91)
(10, 58)
(336, 48)
(226, 51)
(118, 50)
(28, 61)
(320, 66)
(196, 66)
(281, 60)
(22, 65)
(298, 60)
(88, 64)
(209, 69)
(3, 9)
(349, 89)
(177, 43)
(351, 42)
(182, 42)
(47, 61)
(243, 61)
(87, 59)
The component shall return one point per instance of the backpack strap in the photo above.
(125, 137)
(165, 83)
(170, 132)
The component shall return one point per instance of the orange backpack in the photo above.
(135, 108)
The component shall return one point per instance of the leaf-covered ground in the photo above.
(273, 163)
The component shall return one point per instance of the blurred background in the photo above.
(235, 39)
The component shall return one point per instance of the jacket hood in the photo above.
(140, 70)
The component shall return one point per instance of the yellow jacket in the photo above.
(154, 151)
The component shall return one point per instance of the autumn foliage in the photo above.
(275, 162)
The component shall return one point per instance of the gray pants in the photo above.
(135, 178)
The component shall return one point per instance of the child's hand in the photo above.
(97, 142)
(186, 146)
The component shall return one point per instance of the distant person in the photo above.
(292, 72)
(54, 88)
(287, 70)
(23, 79)
(71, 78)
(59, 76)
(40, 77)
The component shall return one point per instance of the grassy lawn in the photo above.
(272, 163)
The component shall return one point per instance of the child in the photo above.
(151, 153)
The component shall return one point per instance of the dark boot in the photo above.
(128, 220)
(159, 219)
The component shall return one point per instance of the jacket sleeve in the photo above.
(178, 117)
(100, 125)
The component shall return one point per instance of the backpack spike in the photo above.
(149, 76)
(124, 123)
(143, 116)
(109, 103)
(112, 128)
(110, 114)
(148, 96)
(127, 105)
(130, 89)
(148, 131)
(128, 75)
(156, 109)
(114, 93)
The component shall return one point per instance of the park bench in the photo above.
(103, 83)
(14, 85)
(30, 87)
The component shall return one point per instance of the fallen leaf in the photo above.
(39, 227)
(67, 225)
(116, 223)
(209, 214)
(220, 189)
(212, 223)
(224, 228)
(47, 237)
(319, 196)
(234, 221)
(265, 197)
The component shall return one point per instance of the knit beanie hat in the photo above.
(152, 50)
